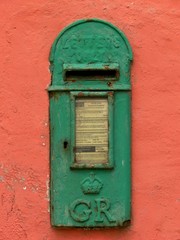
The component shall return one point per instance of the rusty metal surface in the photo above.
(90, 59)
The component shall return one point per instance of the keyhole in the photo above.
(65, 144)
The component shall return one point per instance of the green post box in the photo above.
(90, 96)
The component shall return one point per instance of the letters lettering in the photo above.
(95, 48)
(91, 42)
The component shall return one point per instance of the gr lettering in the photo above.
(81, 210)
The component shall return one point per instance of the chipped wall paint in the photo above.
(28, 30)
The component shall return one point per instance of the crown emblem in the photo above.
(91, 184)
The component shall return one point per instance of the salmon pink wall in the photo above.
(27, 30)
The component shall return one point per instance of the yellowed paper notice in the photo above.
(91, 130)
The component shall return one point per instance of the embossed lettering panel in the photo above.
(97, 211)
(91, 43)
(94, 210)
(97, 46)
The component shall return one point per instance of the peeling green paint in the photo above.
(97, 57)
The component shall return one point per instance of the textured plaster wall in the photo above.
(27, 30)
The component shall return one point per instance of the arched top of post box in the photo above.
(90, 54)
